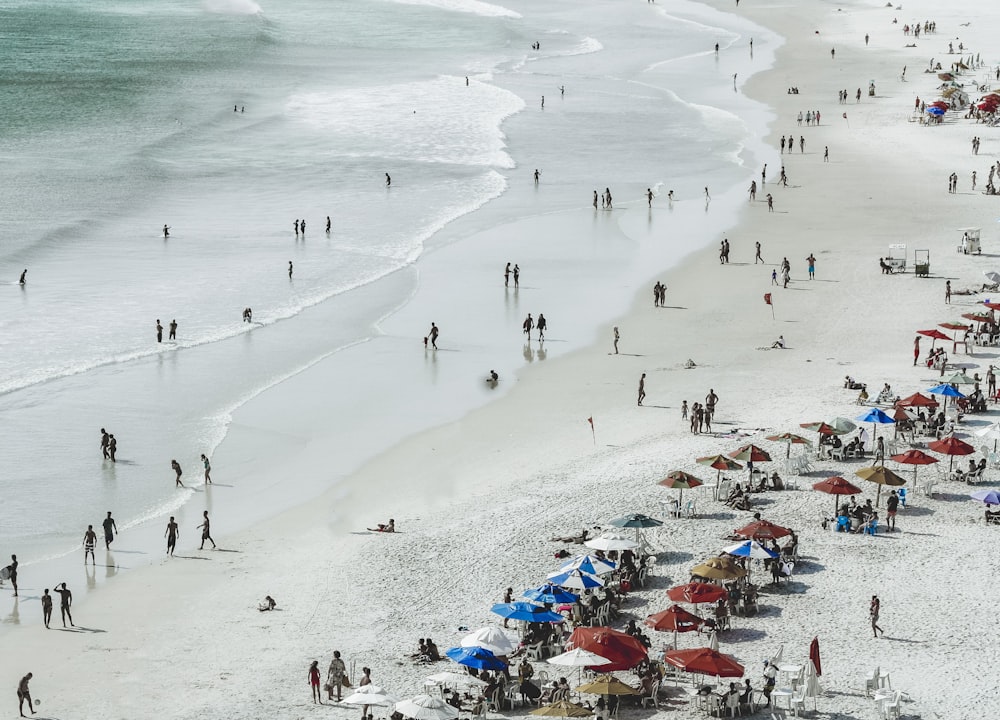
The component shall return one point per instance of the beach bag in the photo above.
(347, 681)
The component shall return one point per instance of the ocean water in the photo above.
(121, 119)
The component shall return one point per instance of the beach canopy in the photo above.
(577, 579)
(704, 661)
(489, 638)
(622, 651)
(719, 463)
(611, 541)
(562, 709)
(589, 564)
(578, 658)
(425, 707)
(959, 378)
(917, 400)
(750, 453)
(750, 549)
(789, 439)
(836, 486)
(880, 475)
(526, 611)
(989, 496)
(696, 593)
(990, 431)
(550, 594)
(607, 685)
(718, 568)
(763, 530)
(675, 618)
(842, 425)
(475, 657)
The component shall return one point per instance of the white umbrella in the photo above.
(578, 657)
(813, 688)
(370, 695)
(576, 579)
(454, 678)
(750, 549)
(425, 707)
(611, 541)
(713, 641)
(489, 638)
(990, 432)
(993, 277)
(777, 656)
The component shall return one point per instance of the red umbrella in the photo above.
(675, 618)
(705, 661)
(814, 655)
(951, 446)
(697, 592)
(720, 463)
(901, 414)
(821, 427)
(763, 530)
(836, 486)
(917, 400)
(750, 453)
(934, 335)
(914, 458)
(992, 305)
(624, 651)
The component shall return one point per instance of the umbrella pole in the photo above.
(788, 450)
(878, 495)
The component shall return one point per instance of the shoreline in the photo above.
(542, 454)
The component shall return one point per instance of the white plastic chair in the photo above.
(891, 707)
(691, 508)
(654, 698)
(871, 682)
(798, 700)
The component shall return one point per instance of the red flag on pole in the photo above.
(767, 298)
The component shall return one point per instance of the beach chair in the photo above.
(690, 508)
(733, 707)
(902, 496)
(871, 527)
(838, 454)
(653, 697)
(871, 682)
(798, 700)
(891, 707)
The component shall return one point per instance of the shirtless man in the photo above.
(649, 196)
(506, 270)
(110, 528)
(159, 331)
(105, 440)
(89, 541)
(206, 533)
(642, 388)
(171, 534)
(46, 608)
(65, 602)
(177, 469)
(173, 330)
(616, 339)
(24, 694)
(528, 325)
(433, 336)
(389, 527)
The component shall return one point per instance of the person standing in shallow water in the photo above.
(388, 180)
(159, 331)
(208, 469)
(540, 326)
(517, 276)
(24, 273)
(617, 337)
(177, 469)
(173, 330)
(291, 268)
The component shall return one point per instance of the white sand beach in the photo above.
(476, 499)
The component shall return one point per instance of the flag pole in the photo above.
(592, 433)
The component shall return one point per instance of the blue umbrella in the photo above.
(589, 564)
(577, 579)
(476, 657)
(947, 391)
(935, 111)
(751, 549)
(525, 611)
(990, 496)
(876, 417)
(551, 594)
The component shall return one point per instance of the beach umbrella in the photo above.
(880, 475)
(917, 400)
(637, 521)
(475, 657)
(951, 446)
(717, 568)
(750, 549)
(789, 439)
(992, 305)
(946, 391)
(453, 678)
(959, 378)
(720, 463)
(578, 658)
(704, 661)
(675, 618)
(914, 458)
(550, 594)
(814, 656)
(562, 709)
(525, 611)
(370, 695)
(933, 110)
(611, 541)
(680, 480)
(425, 707)
(812, 686)
(763, 530)
(842, 425)
(981, 317)
(954, 327)
(836, 486)
(489, 638)
(993, 277)
(696, 593)
(607, 685)
(622, 651)
(589, 564)
(750, 453)
(576, 579)
(876, 417)
(934, 335)
(989, 496)
(990, 431)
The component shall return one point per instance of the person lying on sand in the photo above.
(387, 528)
(268, 604)
(578, 539)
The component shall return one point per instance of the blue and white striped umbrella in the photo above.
(575, 579)
(589, 564)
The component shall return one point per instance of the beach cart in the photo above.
(970, 241)
(922, 262)
(896, 259)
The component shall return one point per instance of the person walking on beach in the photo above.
(314, 682)
(541, 325)
(46, 608)
(656, 294)
(388, 180)
(527, 326)
(770, 203)
(826, 153)
(973, 180)
(291, 268)
(105, 441)
(159, 331)
(173, 330)
(947, 291)
(617, 336)
(812, 266)
(707, 196)
(206, 531)
(802, 143)
(65, 603)
(517, 276)
(335, 676)
(24, 275)
(177, 469)
(916, 350)
(166, 231)
(649, 196)
(782, 144)
(12, 570)
(327, 224)
(110, 530)
(891, 506)
(208, 469)
(684, 410)
(89, 541)
(171, 534)
(763, 175)
(23, 693)
(774, 276)
(537, 175)
(607, 197)
(433, 336)
(753, 190)
(757, 256)
(991, 382)
(112, 447)
(873, 612)
(642, 388)
(296, 227)
(506, 270)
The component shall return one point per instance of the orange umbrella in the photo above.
(720, 463)
(914, 458)
(682, 481)
(917, 400)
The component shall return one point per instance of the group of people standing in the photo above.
(516, 272)
(109, 446)
(530, 324)
(659, 294)
(604, 198)
(159, 331)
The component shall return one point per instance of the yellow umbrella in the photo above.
(607, 685)
(718, 568)
(562, 709)
(881, 476)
